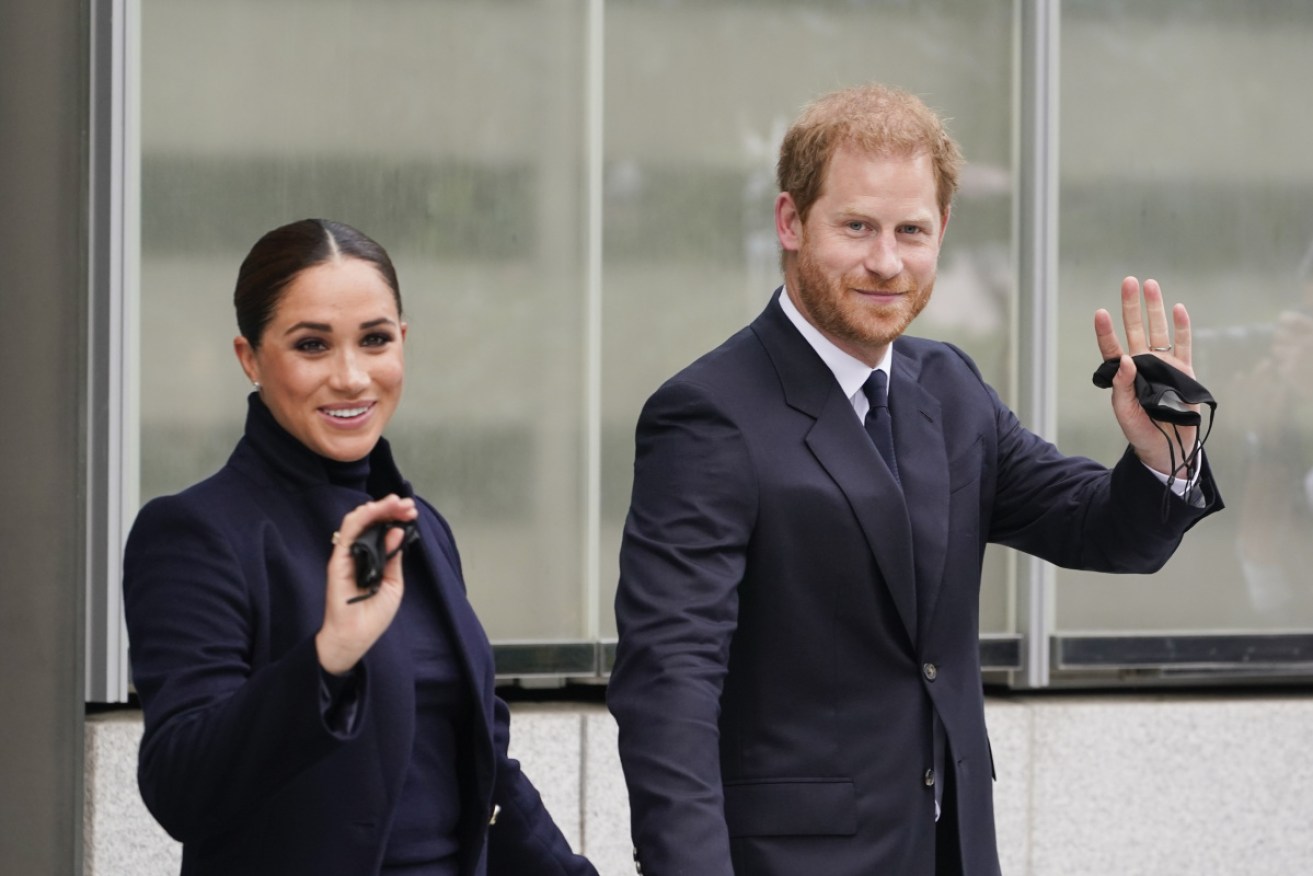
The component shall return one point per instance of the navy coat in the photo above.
(224, 592)
(790, 623)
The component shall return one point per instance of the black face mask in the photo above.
(1165, 392)
(371, 554)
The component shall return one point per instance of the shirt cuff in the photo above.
(1181, 487)
(339, 700)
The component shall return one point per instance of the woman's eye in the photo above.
(311, 345)
(376, 339)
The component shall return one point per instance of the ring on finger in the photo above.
(1166, 349)
(337, 538)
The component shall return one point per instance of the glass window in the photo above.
(452, 132)
(463, 135)
(456, 133)
(1184, 157)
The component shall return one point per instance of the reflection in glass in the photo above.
(1184, 158)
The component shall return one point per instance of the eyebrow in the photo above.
(325, 327)
(914, 218)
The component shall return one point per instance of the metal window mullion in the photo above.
(593, 121)
(1037, 246)
(112, 409)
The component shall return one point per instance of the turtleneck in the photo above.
(285, 452)
(354, 474)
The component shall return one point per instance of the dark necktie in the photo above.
(878, 425)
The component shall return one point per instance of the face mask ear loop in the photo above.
(1171, 471)
(1192, 463)
(1189, 462)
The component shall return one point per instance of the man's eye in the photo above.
(856, 225)
(911, 229)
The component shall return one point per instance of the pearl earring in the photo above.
(256, 384)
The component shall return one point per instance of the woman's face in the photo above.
(330, 362)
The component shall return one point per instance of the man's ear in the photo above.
(788, 223)
(246, 358)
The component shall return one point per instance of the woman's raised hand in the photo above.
(351, 628)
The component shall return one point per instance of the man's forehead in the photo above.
(915, 171)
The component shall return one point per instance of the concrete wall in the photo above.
(43, 291)
(1087, 786)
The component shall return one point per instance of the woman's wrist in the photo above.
(333, 659)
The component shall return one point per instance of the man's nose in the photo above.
(882, 256)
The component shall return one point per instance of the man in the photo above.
(797, 682)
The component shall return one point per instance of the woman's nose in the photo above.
(349, 373)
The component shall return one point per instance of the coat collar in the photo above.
(300, 466)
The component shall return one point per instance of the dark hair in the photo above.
(281, 254)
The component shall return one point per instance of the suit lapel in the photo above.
(844, 450)
(923, 466)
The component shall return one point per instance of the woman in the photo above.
(292, 727)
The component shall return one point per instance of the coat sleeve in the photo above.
(221, 735)
(682, 559)
(1076, 513)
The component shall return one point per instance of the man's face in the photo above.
(864, 261)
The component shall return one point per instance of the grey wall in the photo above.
(1133, 785)
(43, 113)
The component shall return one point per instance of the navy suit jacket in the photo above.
(224, 591)
(790, 624)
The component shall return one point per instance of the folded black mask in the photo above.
(1163, 390)
(371, 554)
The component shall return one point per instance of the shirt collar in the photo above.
(850, 371)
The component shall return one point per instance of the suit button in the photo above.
(930, 670)
(929, 778)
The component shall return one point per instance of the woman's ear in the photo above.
(246, 358)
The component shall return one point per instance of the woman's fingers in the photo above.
(351, 625)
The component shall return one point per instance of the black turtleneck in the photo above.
(352, 475)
